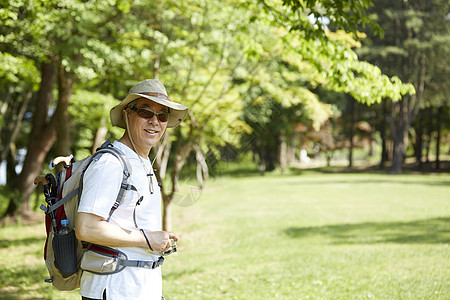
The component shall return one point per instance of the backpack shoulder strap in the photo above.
(125, 186)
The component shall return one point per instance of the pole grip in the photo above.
(67, 160)
(41, 178)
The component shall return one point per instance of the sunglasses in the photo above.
(148, 114)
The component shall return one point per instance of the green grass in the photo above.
(308, 236)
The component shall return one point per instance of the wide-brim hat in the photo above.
(153, 90)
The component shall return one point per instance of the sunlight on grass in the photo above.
(22, 269)
(314, 236)
(306, 236)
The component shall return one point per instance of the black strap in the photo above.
(55, 206)
(148, 242)
(126, 174)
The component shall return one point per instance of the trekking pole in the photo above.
(53, 185)
(53, 197)
(67, 160)
(47, 182)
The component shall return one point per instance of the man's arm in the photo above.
(94, 229)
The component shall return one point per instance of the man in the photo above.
(144, 114)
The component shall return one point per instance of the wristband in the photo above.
(148, 242)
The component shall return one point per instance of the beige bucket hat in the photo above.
(154, 90)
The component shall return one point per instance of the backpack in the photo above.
(62, 250)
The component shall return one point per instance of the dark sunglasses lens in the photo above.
(163, 117)
(148, 114)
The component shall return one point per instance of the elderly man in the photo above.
(135, 226)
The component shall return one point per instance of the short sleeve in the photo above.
(101, 184)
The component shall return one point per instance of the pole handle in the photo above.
(41, 178)
(67, 160)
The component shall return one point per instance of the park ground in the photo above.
(299, 235)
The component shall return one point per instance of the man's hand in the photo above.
(160, 240)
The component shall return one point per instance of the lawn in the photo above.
(307, 236)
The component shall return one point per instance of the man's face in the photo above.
(146, 132)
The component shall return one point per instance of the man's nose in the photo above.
(154, 119)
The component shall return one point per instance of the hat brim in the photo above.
(177, 111)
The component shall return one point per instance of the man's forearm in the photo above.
(94, 229)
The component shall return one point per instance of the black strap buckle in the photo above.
(158, 263)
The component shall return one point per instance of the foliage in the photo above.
(346, 15)
(415, 49)
(17, 68)
(411, 30)
(6, 195)
(18, 76)
(229, 61)
(278, 91)
(89, 112)
(341, 71)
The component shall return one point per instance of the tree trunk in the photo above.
(40, 139)
(270, 159)
(329, 157)
(383, 133)
(291, 150)
(100, 135)
(262, 158)
(162, 155)
(353, 111)
(6, 116)
(65, 86)
(166, 219)
(419, 143)
(202, 167)
(13, 122)
(282, 150)
(181, 154)
(438, 138)
(11, 162)
(400, 144)
(407, 110)
(429, 133)
(400, 134)
(167, 216)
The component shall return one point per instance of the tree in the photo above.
(18, 81)
(416, 34)
(59, 46)
(212, 56)
(305, 64)
(209, 40)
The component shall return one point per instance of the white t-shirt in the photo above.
(101, 186)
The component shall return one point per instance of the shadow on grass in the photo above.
(428, 231)
(237, 172)
(22, 242)
(354, 181)
(249, 171)
(6, 294)
(17, 282)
